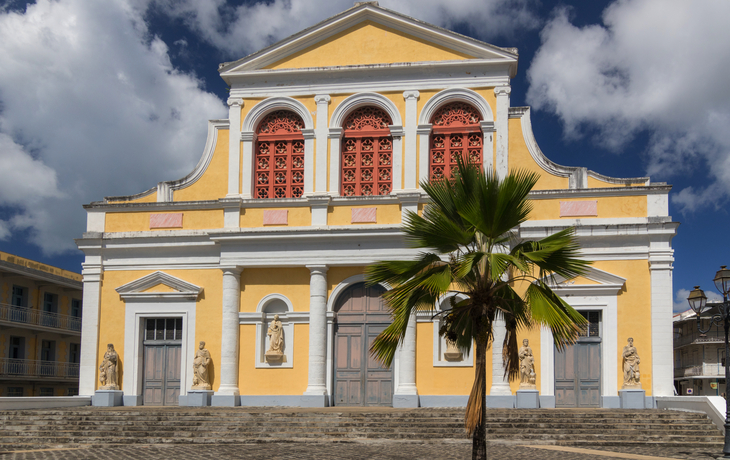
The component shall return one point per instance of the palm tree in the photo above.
(470, 248)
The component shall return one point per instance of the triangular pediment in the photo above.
(593, 282)
(159, 285)
(368, 34)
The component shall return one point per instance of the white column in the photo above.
(308, 161)
(316, 393)
(247, 138)
(411, 127)
(406, 395)
(502, 127)
(91, 271)
(228, 393)
(335, 137)
(662, 367)
(424, 134)
(320, 131)
(397, 133)
(500, 383)
(487, 145)
(234, 144)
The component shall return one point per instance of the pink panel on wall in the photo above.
(363, 215)
(278, 217)
(578, 208)
(168, 220)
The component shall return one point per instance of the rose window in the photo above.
(367, 153)
(456, 132)
(279, 156)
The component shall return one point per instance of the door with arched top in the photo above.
(359, 379)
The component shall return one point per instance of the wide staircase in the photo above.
(149, 425)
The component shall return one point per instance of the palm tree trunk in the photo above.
(477, 407)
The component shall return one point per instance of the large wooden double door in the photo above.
(578, 368)
(162, 361)
(360, 380)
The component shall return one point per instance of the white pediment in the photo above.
(607, 283)
(362, 12)
(178, 289)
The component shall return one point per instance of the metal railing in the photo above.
(713, 336)
(42, 369)
(35, 317)
(711, 369)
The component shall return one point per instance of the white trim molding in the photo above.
(137, 288)
(439, 343)
(262, 318)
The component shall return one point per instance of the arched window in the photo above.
(367, 153)
(280, 156)
(456, 131)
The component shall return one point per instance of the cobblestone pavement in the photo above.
(371, 450)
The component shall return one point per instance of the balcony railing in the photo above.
(29, 316)
(711, 369)
(40, 369)
(712, 336)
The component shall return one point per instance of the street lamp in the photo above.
(698, 302)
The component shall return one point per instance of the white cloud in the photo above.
(680, 299)
(90, 105)
(245, 29)
(657, 66)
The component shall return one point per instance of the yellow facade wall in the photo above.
(203, 219)
(254, 217)
(293, 283)
(612, 206)
(342, 215)
(520, 158)
(208, 313)
(367, 43)
(213, 184)
(273, 381)
(432, 380)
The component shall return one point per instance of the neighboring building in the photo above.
(307, 182)
(699, 359)
(40, 328)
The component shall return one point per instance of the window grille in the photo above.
(15, 391)
(594, 322)
(280, 156)
(163, 329)
(367, 153)
(456, 131)
(46, 391)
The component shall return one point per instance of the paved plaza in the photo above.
(372, 450)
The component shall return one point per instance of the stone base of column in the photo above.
(320, 400)
(547, 401)
(132, 400)
(406, 401)
(196, 398)
(107, 398)
(528, 399)
(225, 400)
(501, 401)
(632, 399)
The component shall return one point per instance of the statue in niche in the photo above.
(200, 368)
(108, 375)
(632, 375)
(527, 367)
(275, 353)
(452, 353)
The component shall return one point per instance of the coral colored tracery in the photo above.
(280, 156)
(455, 132)
(367, 153)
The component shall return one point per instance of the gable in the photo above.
(368, 43)
(593, 282)
(159, 285)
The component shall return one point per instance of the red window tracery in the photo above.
(455, 132)
(367, 153)
(280, 156)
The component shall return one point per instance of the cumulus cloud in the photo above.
(90, 105)
(241, 30)
(653, 66)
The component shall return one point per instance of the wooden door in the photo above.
(578, 374)
(161, 375)
(360, 380)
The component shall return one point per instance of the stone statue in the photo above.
(631, 366)
(527, 367)
(452, 353)
(108, 375)
(200, 368)
(275, 352)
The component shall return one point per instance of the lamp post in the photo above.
(698, 302)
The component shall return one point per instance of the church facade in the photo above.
(307, 182)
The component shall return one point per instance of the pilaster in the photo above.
(309, 135)
(502, 127)
(234, 145)
(316, 393)
(411, 126)
(247, 137)
(335, 137)
(321, 131)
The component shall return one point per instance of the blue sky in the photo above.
(108, 98)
